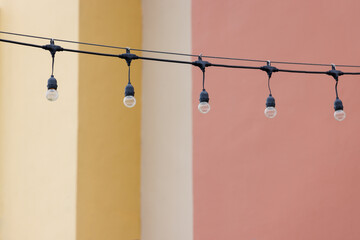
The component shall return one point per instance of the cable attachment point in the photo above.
(128, 56)
(52, 48)
(269, 69)
(201, 64)
(334, 73)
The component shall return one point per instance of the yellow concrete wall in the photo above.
(108, 199)
(38, 144)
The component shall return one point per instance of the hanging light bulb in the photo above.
(51, 93)
(204, 106)
(270, 110)
(129, 99)
(339, 113)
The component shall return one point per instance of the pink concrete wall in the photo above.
(295, 177)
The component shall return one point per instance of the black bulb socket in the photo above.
(338, 105)
(52, 83)
(129, 90)
(270, 101)
(204, 96)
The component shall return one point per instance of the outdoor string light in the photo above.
(52, 93)
(204, 106)
(270, 110)
(129, 99)
(339, 113)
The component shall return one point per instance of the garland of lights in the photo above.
(204, 106)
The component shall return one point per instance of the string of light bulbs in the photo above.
(204, 106)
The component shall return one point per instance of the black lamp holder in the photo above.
(269, 69)
(201, 64)
(128, 56)
(52, 48)
(334, 73)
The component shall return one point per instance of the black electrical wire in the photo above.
(350, 73)
(171, 61)
(232, 66)
(203, 80)
(164, 60)
(129, 76)
(269, 86)
(25, 35)
(21, 43)
(52, 65)
(60, 40)
(300, 71)
(95, 44)
(175, 53)
(90, 53)
(336, 90)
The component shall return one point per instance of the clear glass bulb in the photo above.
(339, 115)
(52, 95)
(270, 112)
(204, 107)
(129, 101)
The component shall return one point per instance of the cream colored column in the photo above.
(38, 138)
(166, 181)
